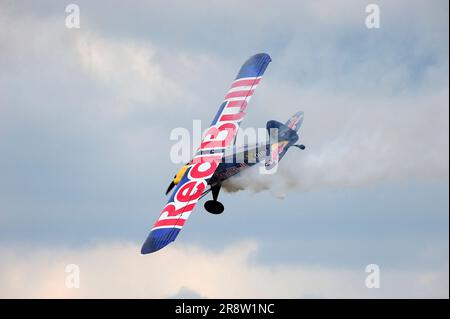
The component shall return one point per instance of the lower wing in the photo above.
(219, 137)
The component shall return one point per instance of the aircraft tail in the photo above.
(295, 121)
(281, 137)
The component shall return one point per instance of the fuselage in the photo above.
(235, 160)
(238, 159)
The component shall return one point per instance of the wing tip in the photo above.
(262, 56)
(158, 239)
(255, 66)
(147, 250)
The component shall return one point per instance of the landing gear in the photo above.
(214, 206)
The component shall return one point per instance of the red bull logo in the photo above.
(218, 138)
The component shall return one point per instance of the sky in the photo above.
(85, 122)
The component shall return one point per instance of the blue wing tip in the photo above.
(262, 56)
(148, 248)
(255, 66)
(158, 239)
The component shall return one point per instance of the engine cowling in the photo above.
(177, 178)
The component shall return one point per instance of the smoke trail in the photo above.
(408, 142)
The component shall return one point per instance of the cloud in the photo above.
(380, 131)
(128, 68)
(186, 293)
(85, 117)
(116, 270)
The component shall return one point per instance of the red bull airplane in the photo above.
(210, 165)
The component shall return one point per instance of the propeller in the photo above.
(180, 174)
(171, 185)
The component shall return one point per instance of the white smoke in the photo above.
(354, 145)
(251, 179)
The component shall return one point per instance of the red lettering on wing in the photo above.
(170, 222)
(244, 94)
(232, 117)
(198, 170)
(211, 137)
(172, 211)
(190, 191)
(242, 105)
(247, 82)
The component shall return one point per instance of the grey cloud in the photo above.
(85, 117)
(113, 270)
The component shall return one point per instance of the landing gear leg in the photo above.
(214, 206)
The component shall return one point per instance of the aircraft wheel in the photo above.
(214, 207)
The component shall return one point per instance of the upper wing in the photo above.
(208, 156)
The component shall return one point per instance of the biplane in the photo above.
(217, 159)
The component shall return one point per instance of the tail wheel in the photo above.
(214, 207)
